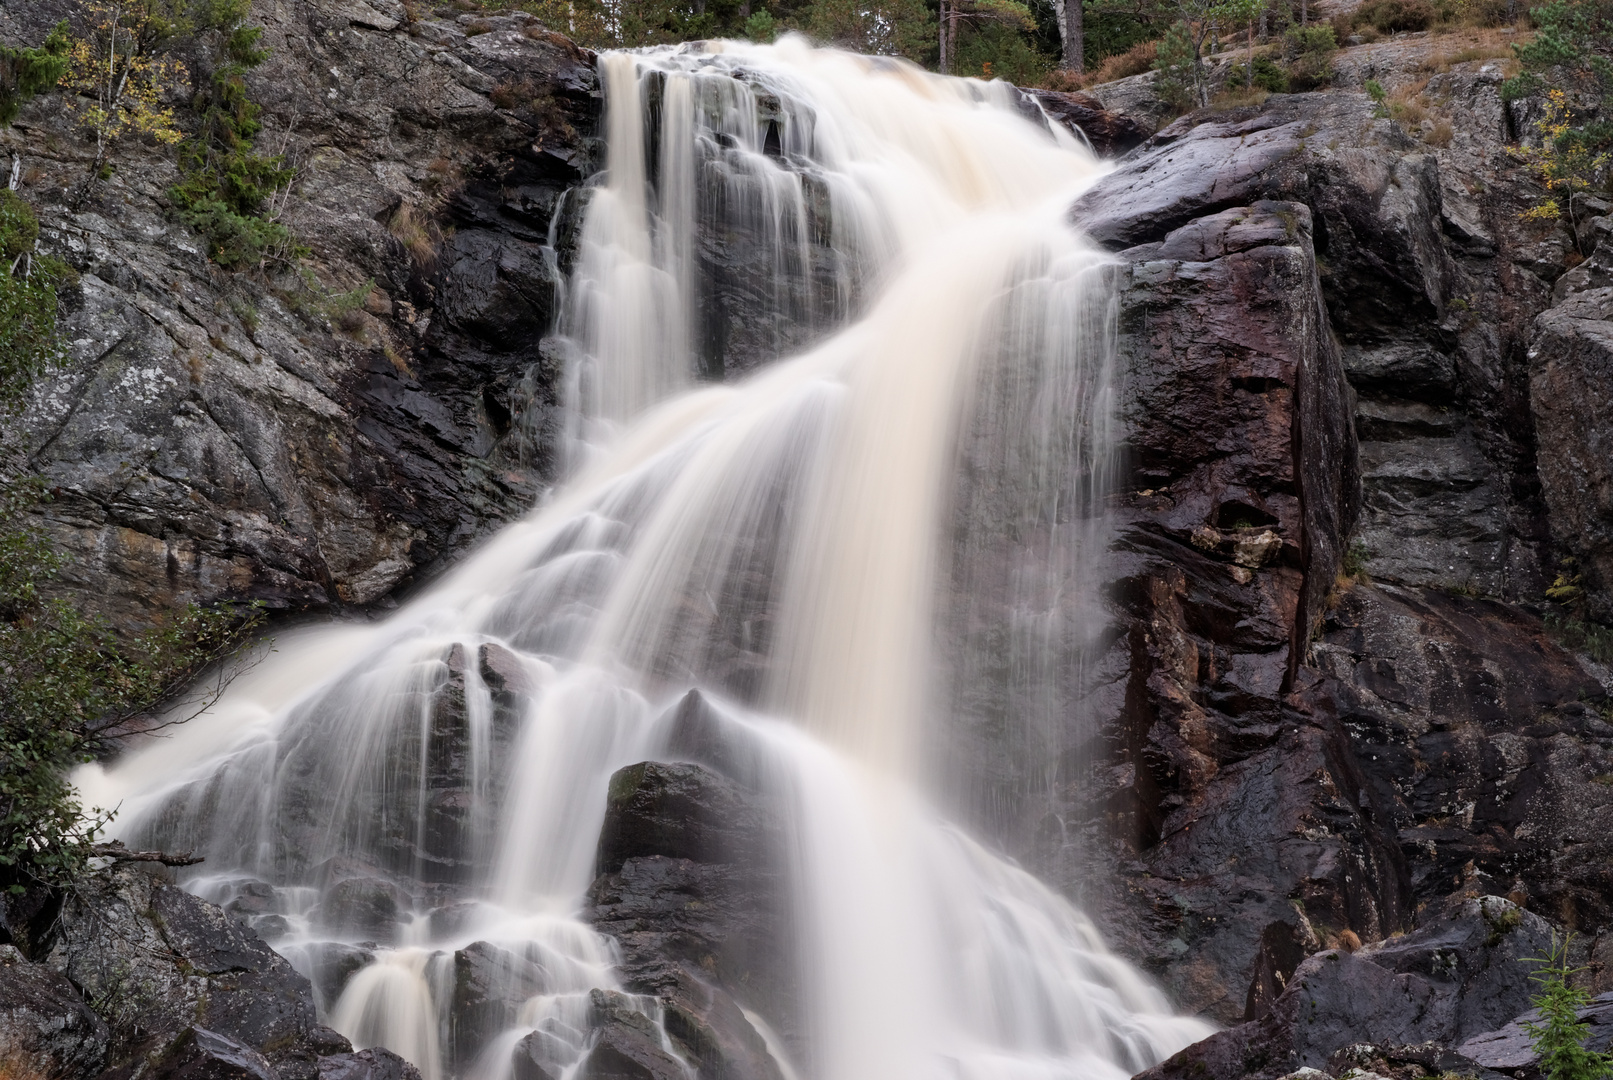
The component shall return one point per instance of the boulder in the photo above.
(1510, 1048)
(490, 985)
(46, 1029)
(376, 1063)
(199, 1054)
(161, 961)
(1110, 134)
(690, 887)
(1438, 986)
(627, 1045)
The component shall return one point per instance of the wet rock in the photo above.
(1218, 743)
(364, 906)
(1571, 385)
(1429, 288)
(1435, 987)
(690, 888)
(683, 812)
(627, 1045)
(541, 1056)
(46, 1029)
(490, 985)
(333, 964)
(199, 1054)
(162, 961)
(1110, 134)
(377, 1063)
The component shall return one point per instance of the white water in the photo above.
(807, 546)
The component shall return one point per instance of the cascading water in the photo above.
(841, 551)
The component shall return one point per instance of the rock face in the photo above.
(1571, 386)
(313, 444)
(45, 1027)
(1325, 324)
(1482, 747)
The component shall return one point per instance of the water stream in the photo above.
(888, 532)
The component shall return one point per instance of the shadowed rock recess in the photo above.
(1334, 774)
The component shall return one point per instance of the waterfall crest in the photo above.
(834, 550)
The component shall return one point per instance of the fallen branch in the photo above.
(118, 853)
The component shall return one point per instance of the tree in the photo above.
(877, 27)
(119, 74)
(227, 182)
(25, 72)
(1559, 1035)
(1072, 35)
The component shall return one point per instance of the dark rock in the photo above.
(366, 906)
(46, 1029)
(1478, 738)
(1110, 134)
(490, 985)
(199, 1054)
(541, 1056)
(377, 1063)
(160, 961)
(627, 1045)
(333, 964)
(1571, 385)
(690, 888)
(1435, 987)
(677, 812)
(1217, 742)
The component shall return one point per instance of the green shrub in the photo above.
(26, 72)
(225, 180)
(1395, 16)
(1177, 81)
(1310, 50)
(28, 285)
(1270, 75)
(66, 681)
(1559, 1035)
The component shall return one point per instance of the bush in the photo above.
(1395, 16)
(1177, 83)
(1309, 50)
(1270, 75)
(28, 283)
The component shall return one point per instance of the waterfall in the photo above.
(889, 531)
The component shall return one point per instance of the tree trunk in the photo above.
(1072, 35)
(944, 24)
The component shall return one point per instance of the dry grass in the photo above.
(1134, 61)
(511, 95)
(480, 26)
(1440, 134)
(418, 234)
(1238, 97)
